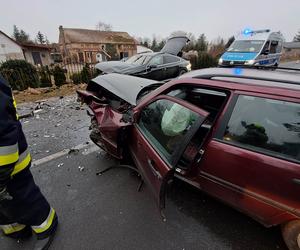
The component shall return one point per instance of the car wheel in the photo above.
(291, 234)
(181, 72)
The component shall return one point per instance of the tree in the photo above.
(297, 37)
(102, 26)
(161, 45)
(154, 44)
(20, 35)
(201, 44)
(40, 38)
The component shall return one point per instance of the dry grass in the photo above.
(65, 90)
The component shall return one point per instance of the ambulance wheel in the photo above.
(291, 234)
(181, 72)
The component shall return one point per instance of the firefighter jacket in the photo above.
(14, 154)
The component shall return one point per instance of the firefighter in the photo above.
(23, 208)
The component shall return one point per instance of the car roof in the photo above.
(279, 82)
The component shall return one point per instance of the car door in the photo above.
(156, 69)
(258, 147)
(161, 133)
(172, 66)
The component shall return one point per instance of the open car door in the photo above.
(175, 44)
(161, 133)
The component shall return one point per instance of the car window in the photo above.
(266, 125)
(273, 47)
(170, 59)
(157, 60)
(165, 124)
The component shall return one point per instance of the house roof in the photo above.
(1, 32)
(95, 36)
(292, 45)
(35, 46)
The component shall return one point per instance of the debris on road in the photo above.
(73, 151)
(81, 168)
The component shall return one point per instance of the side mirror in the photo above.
(266, 52)
(152, 66)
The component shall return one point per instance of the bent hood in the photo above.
(237, 56)
(124, 86)
(175, 44)
(119, 67)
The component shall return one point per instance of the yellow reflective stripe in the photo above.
(15, 105)
(22, 163)
(12, 228)
(9, 158)
(46, 224)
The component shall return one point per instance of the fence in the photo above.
(21, 78)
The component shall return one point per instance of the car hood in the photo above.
(119, 67)
(175, 44)
(124, 86)
(238, 56)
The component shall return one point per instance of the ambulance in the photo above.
(254, 48)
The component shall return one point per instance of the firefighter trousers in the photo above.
(28, 207)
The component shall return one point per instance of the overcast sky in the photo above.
(146, 18)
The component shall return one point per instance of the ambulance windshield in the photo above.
(246, 46)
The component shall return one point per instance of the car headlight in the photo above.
(189, 67)
(220, 61)
(250, 62)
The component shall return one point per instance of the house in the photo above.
(37, 54)
(9, 48)
(291, 50)
(92, 46)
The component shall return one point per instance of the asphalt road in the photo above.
(106, 212)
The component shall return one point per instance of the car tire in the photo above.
(181, 72)
(291, 234)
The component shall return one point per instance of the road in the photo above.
(106, 212)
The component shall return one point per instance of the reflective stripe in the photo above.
(6, 150)
(12, 228)
(9, 158)
(15, 105)
(46, 224)
(23, 162)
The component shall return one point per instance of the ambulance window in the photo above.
(266, 47)
(273, 47)
(279, 47)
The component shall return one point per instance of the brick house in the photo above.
(92, 46)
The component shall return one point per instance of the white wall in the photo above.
(9, 49)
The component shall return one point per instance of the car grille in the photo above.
(227, 63)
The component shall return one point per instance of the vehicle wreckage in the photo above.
(233, 133)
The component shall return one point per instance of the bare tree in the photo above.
(101, 26)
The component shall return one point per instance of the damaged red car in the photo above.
(233, 133)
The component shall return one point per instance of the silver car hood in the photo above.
(175, 44)
(124, 86)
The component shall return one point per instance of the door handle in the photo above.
(152, 164)
(296, 181)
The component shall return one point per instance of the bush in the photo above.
(45, 77)
(76, 78)
(20, 74)
(85, 74)
(204, 60)
(59, 76)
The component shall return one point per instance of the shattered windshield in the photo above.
(246, 46)
(139, 59)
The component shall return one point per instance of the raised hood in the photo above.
(175, 44)
(124, 86)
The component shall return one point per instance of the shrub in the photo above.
(76, 78)
(20, 74)
(205, 60)
(85, 74)
(45, 77)
(59, 76)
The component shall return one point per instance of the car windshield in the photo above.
(246, 46)
(139, 59)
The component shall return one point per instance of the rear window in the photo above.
(266, 125)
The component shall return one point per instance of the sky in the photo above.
(214, 18)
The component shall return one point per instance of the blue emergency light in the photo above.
(247, 31)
